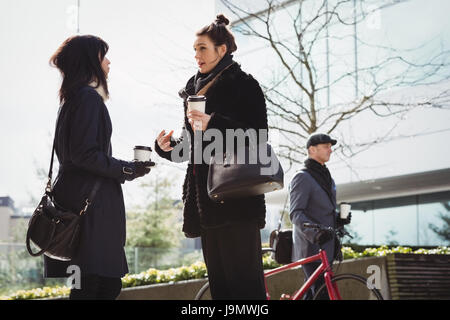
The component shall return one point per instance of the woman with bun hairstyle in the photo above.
(83, 148)
(229, 231)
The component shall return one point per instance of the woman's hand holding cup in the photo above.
(137, 169)
(163, 141)
(196, 112)
(141, 165)
(195, 117)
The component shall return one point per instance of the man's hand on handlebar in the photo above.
(322, 237)
(324, 233)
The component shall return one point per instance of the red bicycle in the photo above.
(339, 287)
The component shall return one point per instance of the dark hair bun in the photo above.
(221, 19)
(219, 33)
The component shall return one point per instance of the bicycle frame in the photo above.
(324, 267)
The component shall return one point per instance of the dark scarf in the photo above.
(201, 79)
(321, 174)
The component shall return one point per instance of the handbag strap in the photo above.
(48, 188)
(203, 90)
(280, 222)
(28, 237)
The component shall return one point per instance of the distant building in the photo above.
(400, 209)
(6, 211)
(10, 217)
(394, 210)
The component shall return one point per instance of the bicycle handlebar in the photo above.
(340, 231)
(317, 226)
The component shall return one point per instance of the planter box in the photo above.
(401, 276)
(180, 290)
(285, 282)
(419, 276)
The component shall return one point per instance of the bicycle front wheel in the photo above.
(351, 287)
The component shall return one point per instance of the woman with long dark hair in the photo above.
(83, 148)
(230, 231)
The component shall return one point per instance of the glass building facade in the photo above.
(410, 220)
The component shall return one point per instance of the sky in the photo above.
(151, 59)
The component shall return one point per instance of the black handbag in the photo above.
(228, 179)
(281, 241)
(55, 231)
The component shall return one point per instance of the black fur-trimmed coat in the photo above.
(234, 101)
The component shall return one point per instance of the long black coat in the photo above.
(234, 101)
(82, 144)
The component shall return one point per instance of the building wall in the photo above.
(18, 228)
(5, 214)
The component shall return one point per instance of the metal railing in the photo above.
(20, 271)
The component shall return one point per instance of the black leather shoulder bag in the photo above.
(52, 229)
(281, 241)
(230, 178)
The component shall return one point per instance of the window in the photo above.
(408, 221)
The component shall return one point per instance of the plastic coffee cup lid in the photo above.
(142, 148)
(196, 98)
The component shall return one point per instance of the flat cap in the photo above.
(319, 138)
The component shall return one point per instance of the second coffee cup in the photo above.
(345, 210)
(142, 153)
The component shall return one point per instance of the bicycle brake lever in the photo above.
(343, 232)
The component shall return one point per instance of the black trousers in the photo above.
(234, 262)
(95, 287)
(309, 269)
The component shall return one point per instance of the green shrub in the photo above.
(349, 253)
(39, 293)
(153, 276)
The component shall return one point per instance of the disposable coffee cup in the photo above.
(142, 153)
(344, 210)
(197, 103)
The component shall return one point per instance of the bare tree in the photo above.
(444, 231)
(298, 34)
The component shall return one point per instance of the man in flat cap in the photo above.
(312, 194)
